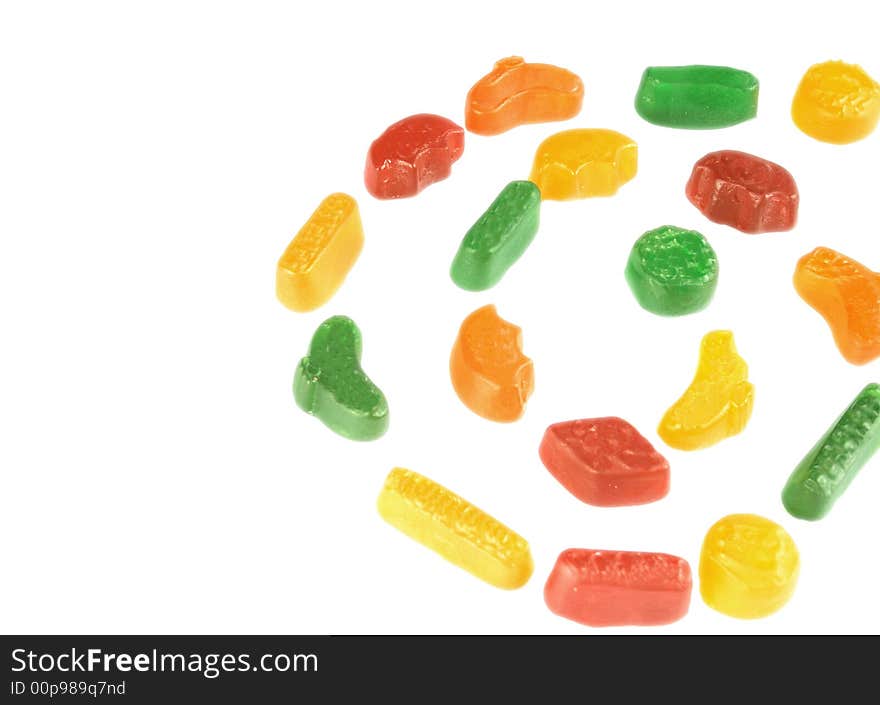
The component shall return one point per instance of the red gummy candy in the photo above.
(605, 462)
(412, 154)
(616, 588)
(744, 191)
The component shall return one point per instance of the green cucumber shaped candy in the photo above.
(498, 238)
(820, 479)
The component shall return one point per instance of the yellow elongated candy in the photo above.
(456, 529)
(317, 260)
(748, 566)
(583, 163)
(718, 402)
(836, 102)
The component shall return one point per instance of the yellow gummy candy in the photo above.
(583, 163)
(717, 404)
(316, 261)
(748, 566)
(455, 528)
(836, 102)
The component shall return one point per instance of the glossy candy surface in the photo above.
(489, 372)
(453, 527)
(516, 93)
(615, 588)
(316, 261)
(498, 238)
(605, 462)
(836, 102)
(823, 476)
(744, 191)
(582, 163)
(748, 566)
(697, 97)
(411, 155)
(672, 271)
(330, 384)
(847, 295)
(718, 402)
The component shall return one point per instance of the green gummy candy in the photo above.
(820, 479)
(697, 97)
(672, 271)
(498, 238)
(330, 384)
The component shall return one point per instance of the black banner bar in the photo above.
(268, 669)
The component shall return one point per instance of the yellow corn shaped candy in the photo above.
(455, 528)
(718, 402)
(316, 261)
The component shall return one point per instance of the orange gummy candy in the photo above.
(517, 93)
(847, 295)
(489, 372)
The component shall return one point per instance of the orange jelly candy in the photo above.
(489, 372)
(517, 93)
(847, 295)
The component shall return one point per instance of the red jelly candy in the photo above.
(744, 191)
(616, 588)
(605, 462)
(412, 154)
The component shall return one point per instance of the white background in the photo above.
(155, 160)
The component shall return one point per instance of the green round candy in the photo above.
(672, 271)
